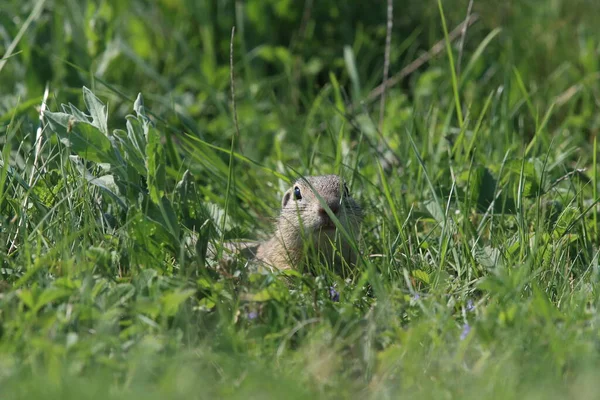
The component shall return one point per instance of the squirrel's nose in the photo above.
(335, 208)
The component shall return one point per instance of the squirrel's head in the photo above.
(314, 203)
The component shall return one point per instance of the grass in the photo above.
(479, 269)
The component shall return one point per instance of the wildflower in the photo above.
(252, 315)
(416, 296)
(334, 294)
(470, 305)
(465, 331)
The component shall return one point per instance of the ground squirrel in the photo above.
(304, 222)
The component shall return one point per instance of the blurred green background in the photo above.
(177, 54)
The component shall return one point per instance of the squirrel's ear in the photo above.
(286, 198)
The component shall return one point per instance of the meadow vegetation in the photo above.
(479, 268)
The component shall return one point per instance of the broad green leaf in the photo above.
(79, 115)
(144, 279)
(272, 292)
(482, 187)
(172, 301)
(421, 275)
(164, 214)
(206, 304)
(26, 297)
(51, 294)
(136, 132)
(119, 295)
(155, 162)
(97, 110)
(84, 139)
(543, 306)
(106, 182)
(488, 257)
(131, 154)
(138, 106)
(566, 220)
(148, 306)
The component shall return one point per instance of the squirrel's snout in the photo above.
(335, 208)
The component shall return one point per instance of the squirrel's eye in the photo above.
(346, 191)
(297, 194)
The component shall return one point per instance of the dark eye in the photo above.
(346, 191)
(297, 194)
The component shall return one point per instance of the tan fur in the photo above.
(305, 222)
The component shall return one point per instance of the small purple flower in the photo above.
(470, 305)
(252, 315)
(465, 331)
(416, 296)
(334, 294)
